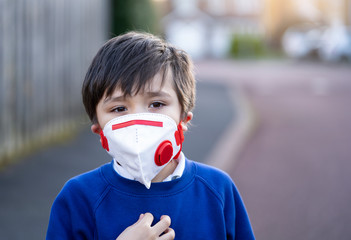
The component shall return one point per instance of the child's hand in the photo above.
(142, 230)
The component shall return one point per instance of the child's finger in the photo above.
(162, 225)
(139, 220)
(147, 218)
(140, 217)
(168, 235)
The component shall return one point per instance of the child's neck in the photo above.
(166, 171)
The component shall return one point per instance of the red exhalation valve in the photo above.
(163, 153)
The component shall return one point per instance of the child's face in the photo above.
(154, 99)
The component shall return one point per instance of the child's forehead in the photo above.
(156, 84)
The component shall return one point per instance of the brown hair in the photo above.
(130, 61)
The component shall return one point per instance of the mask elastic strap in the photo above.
(104, 141)
(179, 136)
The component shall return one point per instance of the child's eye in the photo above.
(119, 109)
(156, 105)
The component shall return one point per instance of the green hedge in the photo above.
(249, 46)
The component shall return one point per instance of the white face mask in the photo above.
(142, 143)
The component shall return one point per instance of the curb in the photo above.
(226, 153)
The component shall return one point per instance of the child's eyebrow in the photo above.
(113, 99)
(158, 94)
(149, 94)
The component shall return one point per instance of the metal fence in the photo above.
(45, 49)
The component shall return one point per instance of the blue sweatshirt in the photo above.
(203, 204)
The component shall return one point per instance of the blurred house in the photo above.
(280, 15)
(205, 28)
(310, 28)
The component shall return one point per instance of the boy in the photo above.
(139, 92)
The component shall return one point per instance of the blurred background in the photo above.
(273, 105)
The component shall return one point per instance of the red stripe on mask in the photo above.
(137, 122)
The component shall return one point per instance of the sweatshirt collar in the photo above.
(134, 187)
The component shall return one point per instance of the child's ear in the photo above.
(186, 120)
(95, 128)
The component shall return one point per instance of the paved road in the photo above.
(295, 172)
(28, 188)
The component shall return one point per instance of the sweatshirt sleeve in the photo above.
(60, 225)
(70, 218)
(237, 221)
